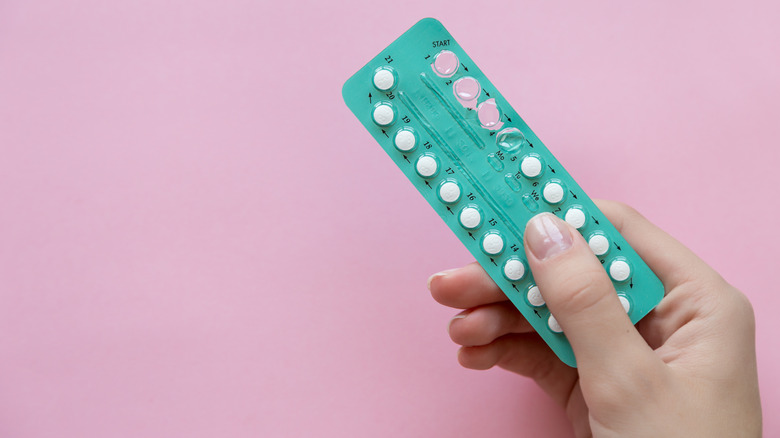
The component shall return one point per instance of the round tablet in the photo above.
(492, 243)
(466, 88)
(575, 217)
(384, 114)
(446, 63)
(427, 166)
(488, 113)
(599, 244)
(449, 192)
(553, 193)
(625, 303)
(535, 297)
(384, 79)
(514, 269)
(405, 140)
(531, 167)
(619, 270)
(470, 218)
(553, 324)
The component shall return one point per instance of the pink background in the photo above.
(198, 239)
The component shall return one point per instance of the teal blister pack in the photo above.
(483, 170)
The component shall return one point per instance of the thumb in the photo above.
(581, 297)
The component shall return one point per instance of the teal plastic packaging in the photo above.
(483, 170)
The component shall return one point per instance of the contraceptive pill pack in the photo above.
(483, 170)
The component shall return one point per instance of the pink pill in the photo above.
(446, 63)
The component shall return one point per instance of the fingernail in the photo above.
(547, 236)
(438, 274)
(458, 316)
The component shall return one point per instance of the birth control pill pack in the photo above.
(483, 170)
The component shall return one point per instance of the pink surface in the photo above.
(199, 239)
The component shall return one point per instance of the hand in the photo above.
(687, 369)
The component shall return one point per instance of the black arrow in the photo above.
(595, 220)
(450, 210)
(537, 313)
(514, 287)
(383, 132)
(572, 193)
(407, 160)
(507, 118)
(551, 169)
(472, 236)
(426, 183)
(464, 68)
(493, 261)
(487, 94)
(492, 133)
(369, 97)
(530, 144)
(617, 246)
(631, 283)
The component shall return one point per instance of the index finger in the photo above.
(669, 259)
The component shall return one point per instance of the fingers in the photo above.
(671, 261)
(465, 287)
(580, 295)
(482, 325)
(527, 355)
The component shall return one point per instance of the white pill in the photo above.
(599, 244)
(553, 324)
(619, 270)
(449, 192)
(624, 302)
(531, 167)
(384, 79)
(493, 243)
(575, 217)
(427, 166)
(535, 297)
(405, 140)
(514, 269)
(553, 193)
(470, 218)
(383, 114)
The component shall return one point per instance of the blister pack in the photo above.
(483, 170)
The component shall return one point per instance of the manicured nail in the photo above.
(438, 274)
(546, 236)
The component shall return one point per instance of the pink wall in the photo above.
(198, 239)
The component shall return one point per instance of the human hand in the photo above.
(687, 369)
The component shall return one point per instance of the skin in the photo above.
(687, 369)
